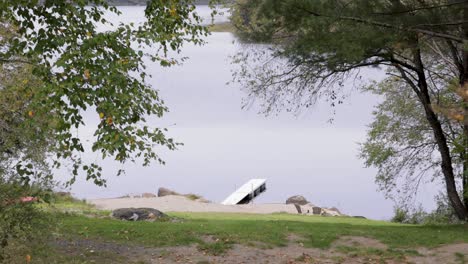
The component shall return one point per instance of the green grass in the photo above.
(268, 230)
(192, 196)
(216, 233)
(221, 27)
(460, 258)
(68, 204)
(216, 248)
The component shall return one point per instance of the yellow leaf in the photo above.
(30, 113)
(87, 74)
(109, 120)
(101, 115)
(173, 11)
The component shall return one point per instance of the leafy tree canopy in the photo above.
(76, 67)
(316, 45)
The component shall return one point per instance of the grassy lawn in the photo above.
(266, 230)
(81, 227)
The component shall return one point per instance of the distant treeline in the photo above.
(143, 2)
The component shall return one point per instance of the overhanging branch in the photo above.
(386, 25)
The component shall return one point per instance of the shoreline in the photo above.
(177, 203)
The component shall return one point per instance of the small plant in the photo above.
(304, 258)
(460, 257)
(405, 215)
(192, 196)
(217, 248)
(401, 215)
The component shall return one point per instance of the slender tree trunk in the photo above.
(444, 150)
(464, 87)
(446, 164)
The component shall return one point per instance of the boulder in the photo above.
(316, 210)
(328, 212)
(138, 214)
(164, 192)
(334, 209)
(298, 208)
(297, 199)
(148, 195)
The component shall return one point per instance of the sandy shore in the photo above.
(174, 203)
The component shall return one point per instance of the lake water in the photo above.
(225, 146)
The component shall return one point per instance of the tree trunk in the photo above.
(464, 87)
(444, 150)
(446, 165)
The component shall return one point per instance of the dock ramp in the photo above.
(247, 192)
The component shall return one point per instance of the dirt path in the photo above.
(351, 250)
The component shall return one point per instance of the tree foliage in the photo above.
(24, 134)
(318, 44)
(79, 67)
(400, 142)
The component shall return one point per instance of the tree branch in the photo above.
(419, 9)
(386, 25)
(2, 60)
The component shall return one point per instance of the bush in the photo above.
(401, 215)
(443, 214)
(405, 215)
(22, 222)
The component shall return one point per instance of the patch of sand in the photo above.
(174, 203)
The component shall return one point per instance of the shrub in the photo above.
(443, 214)
(22, 222)
(405, 215)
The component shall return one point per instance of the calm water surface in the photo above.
(226, 146)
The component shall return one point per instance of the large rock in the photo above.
(298, 208)
(165, 192)
(334, 209)
(297, 199)
(148, 195)
(316, 210)
(138, 214)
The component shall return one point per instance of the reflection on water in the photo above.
(225, 145)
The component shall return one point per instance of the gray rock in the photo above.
(138, 214)
(297, 199)
(298, 208)
(316, 210)
(334, 209)
(148, 195)
(165, 192)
